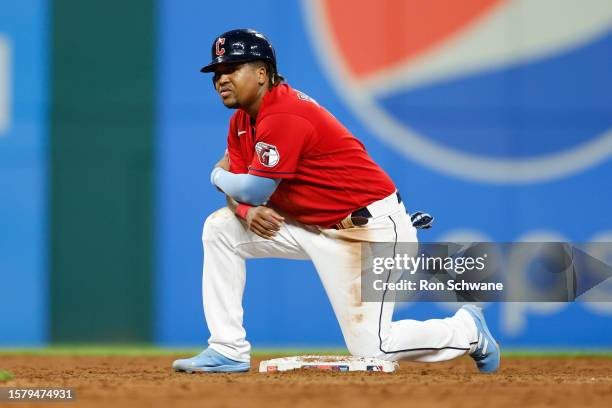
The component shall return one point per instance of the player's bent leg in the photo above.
(223, 280)
(224, 228)
(227, 243)
(443, 339)
(427, 341)
(431, 340)
(375, 335)
(367, 327)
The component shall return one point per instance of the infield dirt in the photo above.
(149, 381)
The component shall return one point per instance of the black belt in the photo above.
(360, 217)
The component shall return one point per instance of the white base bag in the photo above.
(327, 363)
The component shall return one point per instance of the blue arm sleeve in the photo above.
(244, 188)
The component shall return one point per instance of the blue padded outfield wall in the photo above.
(23, 172)
(501, 139)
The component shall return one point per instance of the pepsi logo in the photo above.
(498, 91)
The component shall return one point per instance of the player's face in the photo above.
(239, 84)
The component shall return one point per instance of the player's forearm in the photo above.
(244, 188)
(231, 203)
(241, 210)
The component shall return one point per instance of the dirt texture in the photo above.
(149, 381)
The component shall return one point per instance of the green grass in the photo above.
(556, 353)
(132, 350)
(6, 375)
(135, 350)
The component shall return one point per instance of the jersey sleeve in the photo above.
(238, 164)
(279, 144)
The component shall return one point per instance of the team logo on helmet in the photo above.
(455, 95)
(218, 49)
(267, 154)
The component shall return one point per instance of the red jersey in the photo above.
(326, 171)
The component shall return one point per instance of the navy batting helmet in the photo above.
(240, 46)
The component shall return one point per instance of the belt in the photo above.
(378, 208)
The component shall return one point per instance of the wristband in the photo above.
(242, 210)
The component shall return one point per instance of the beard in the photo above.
(231, 104)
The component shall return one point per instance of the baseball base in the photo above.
(327, 363)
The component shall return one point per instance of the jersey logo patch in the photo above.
(267, 154)
(302, 96)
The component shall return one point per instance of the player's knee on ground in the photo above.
(368, 344)
(217, 223)
(364, 346)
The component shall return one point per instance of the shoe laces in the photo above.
(481, 347)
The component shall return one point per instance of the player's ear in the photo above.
(262, 74)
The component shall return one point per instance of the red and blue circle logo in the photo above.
(500, 91)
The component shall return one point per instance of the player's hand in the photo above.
(264, 221)
(224, 163)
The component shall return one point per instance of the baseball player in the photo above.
(299, 185)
